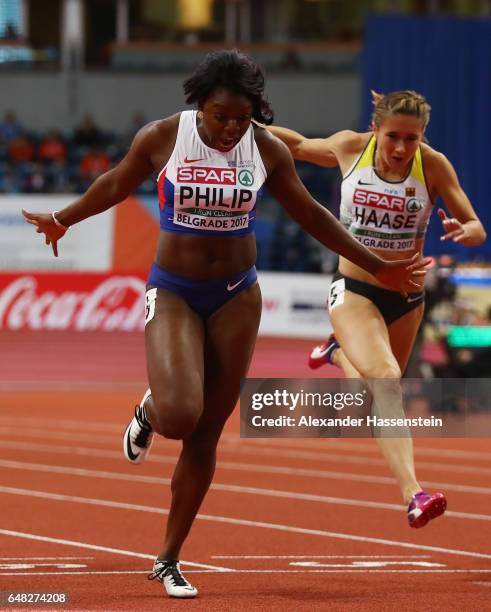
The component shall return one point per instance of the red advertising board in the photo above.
(72, 301)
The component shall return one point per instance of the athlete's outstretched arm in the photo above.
(321, 151)
(108, 189)
(464, 226)
(285, 185)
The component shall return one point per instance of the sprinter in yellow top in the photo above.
(391, 179)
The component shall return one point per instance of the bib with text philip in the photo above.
(204, 191)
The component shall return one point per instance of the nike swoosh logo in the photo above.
(232, 287)
(414, 298)
(191, 161)
(318, 352)
(360, 182)
(131, 455)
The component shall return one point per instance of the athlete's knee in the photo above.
(386, 370)
(179, 429)
(203, 450)
(205, 438)
(176, 419)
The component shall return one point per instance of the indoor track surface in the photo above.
(290, 524)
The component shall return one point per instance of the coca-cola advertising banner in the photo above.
(293, 305)
(72, 301)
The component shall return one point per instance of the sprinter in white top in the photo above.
(203, 302)
(391, 179)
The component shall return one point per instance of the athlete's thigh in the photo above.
(174, 340)
(402, 333)
(362, 332)
(231, 334)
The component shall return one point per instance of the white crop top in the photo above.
(204, 191)
(381, 214)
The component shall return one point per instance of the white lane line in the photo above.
(436, 452)
(321, 556)
(40, 558)
(328, 457)
(29, 565)
(333, 475)
(486, 584)
(319, 457)
(273, 571)
(244, 467)
(230, 439)
(72, 387)
(116, 551)
(53, 435)
(361, 571)
(366, 564)
(249, 450)
(344, 445)
(358, 503)
(75, 450)
(77, 573)
(243, 522)
(58, 424)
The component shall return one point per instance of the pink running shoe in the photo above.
(424, 507)
(322, 354)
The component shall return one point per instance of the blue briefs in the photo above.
(204, 296)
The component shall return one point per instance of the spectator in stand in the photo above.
(8, 184)
(35, 179)
(10, 128)
(58, 178)
(20, 150)
(87, 134)
(52, 148)
(94, 163)
(52, 152)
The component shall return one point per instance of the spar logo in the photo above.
(414, 204)
(207, 176)
(379, 200)
(246, 178)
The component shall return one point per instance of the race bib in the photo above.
(336, 294)
(150, 298)
(217, 221)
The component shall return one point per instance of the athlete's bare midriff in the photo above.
(347, 268)
(204, 257)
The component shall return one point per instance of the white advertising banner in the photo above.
(87, 246)
(294, 305)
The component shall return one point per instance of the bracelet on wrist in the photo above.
(57, 223)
